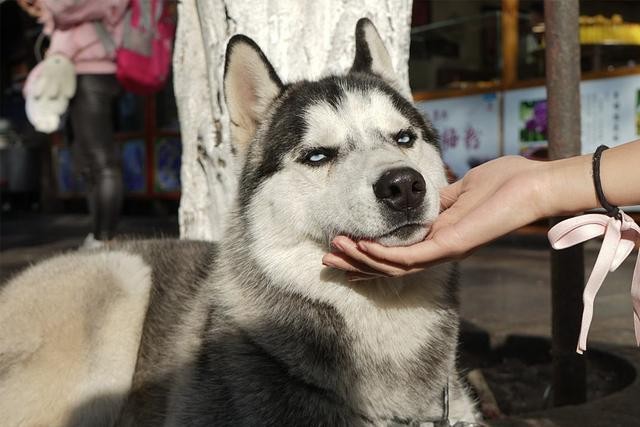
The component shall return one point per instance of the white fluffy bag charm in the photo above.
(49, 87)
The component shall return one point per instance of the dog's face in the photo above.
(343, 155)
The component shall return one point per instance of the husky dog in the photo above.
(255, 331)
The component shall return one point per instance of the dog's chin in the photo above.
(404, 236)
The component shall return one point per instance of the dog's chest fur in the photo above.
(270, 356)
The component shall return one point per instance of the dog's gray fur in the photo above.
(256, 331)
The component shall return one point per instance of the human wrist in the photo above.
(540, 180)
(570, 186)
(619, 174)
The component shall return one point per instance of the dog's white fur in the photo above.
(81, 336)
(70, 331)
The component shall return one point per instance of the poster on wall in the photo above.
(168, 155)
(134, 168)
(533, 126)
(468, 128)
(610, 115)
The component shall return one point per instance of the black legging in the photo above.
(96, 153)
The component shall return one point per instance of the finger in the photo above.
(414, 256)
(449, 194)
(403, 255)
(350, 248)
(343, 262)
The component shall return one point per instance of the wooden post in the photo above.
(567, 266)
(509, 42)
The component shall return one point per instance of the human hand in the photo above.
(490, 201)
(48, 89)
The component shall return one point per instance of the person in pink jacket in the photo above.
(78, 75)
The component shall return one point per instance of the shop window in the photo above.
(609, 36)
(129, 114)
(455, 45)
(458, 44)
(531, 40)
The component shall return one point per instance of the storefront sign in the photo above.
(610, 114)
(468, 128)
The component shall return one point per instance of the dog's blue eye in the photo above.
(319, 156)
(405, 138)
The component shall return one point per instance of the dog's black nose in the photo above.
(401, 188)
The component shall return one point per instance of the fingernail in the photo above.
(362, 246)
(337, 245)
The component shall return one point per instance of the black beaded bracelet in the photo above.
(612, 210)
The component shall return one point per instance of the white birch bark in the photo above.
(301, 38)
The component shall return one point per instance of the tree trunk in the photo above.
(302, 39)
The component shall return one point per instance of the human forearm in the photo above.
(570, 187)
(620, 174)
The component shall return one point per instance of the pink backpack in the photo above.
(144, 57)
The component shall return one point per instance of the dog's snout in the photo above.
(401, 188)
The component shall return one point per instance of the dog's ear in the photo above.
(250, 85)
(371, 54)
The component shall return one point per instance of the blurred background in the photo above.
(479, 67)
(36, 171)
(476, 71)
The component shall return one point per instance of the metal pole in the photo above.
(509, 41)
(567, 266)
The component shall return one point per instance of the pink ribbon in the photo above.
(620, 237)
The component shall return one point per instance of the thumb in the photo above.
(449, 194)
